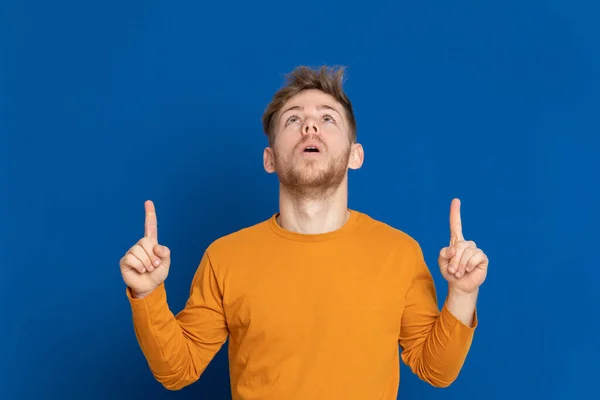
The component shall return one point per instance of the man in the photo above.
(317, 299)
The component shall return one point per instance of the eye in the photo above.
(328, 118)
(292, 119)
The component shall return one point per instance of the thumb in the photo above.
(446, 255)
(162, 251)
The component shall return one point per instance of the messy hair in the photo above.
(326, 79)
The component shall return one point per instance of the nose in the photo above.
(310, 127)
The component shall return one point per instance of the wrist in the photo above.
(456, 293)
(462, 305)
(138, 296)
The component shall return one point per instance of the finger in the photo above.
(130, 261)
(139, 253)
(459, 249)
(478, 258)
(455, 222)
(164, 253)
(445, 255)
(148, 245)
(151, 223)
(462, 265)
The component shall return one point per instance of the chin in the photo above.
(311, 176)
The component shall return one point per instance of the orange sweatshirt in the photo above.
(308, 316)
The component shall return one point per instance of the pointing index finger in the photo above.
(455, 222)
(151, 223)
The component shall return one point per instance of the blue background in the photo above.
(106, 104)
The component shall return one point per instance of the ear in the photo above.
(269, 160)
(357, 156)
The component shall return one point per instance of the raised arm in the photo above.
(436, 343)
(178, 348)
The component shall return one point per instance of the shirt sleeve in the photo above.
(434, 343)
(179, 348)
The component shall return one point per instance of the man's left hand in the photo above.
(462, 264)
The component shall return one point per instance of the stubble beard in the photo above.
(310, 179)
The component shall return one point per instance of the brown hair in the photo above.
(326, 79)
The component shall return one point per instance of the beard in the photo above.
(312, 179)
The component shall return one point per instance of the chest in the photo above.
(292, 298)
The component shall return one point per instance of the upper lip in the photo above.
(308, 144)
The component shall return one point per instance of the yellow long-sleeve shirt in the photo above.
(307, 316)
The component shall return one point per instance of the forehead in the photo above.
(312, 99)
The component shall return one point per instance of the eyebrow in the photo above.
(319, 107)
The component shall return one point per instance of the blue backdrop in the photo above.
(106, 104)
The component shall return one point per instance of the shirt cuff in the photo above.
(148, 302)
(450, 321)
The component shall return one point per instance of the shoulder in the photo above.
(243, 239)
(387, 233)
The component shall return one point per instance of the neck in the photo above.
(311, 214)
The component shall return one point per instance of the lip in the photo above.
(316, 145)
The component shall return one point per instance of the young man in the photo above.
(317, 299)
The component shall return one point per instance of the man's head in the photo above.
(311, 130)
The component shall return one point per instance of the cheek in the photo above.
(283, 146)
(339, 144)
(334, 134)
(287, 139)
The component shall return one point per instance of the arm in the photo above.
(179, 348)
(462, 305)
(435, 344)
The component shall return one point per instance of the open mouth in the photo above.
(311, 149)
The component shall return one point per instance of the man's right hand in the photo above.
(146, 265)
